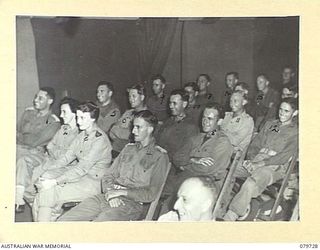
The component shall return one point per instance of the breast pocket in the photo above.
(143, 173)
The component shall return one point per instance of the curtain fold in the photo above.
(155, 37)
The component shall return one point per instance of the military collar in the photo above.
(211, 134)
(149, 148)
(178, 119)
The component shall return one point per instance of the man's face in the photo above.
(209, 120)
(231, 81)
(42, 101)
(287, 93)
(157, 86)
(135, 99)
(287, 74)
(236, 102)
(192, 94)
(192, 199)
(286, 113)
(176, 105)
(202, 83)
(141, 129)
(262, 83)
(103, 94)
(66, 113)
(84, 120)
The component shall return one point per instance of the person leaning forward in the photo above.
(135, 177)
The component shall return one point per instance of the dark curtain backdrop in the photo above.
(155, 37)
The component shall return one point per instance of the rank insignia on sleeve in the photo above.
(98, 134)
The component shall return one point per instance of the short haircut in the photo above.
(193, 85)
(208, 182)
(216, 106)
(182, 93)
(73, 104)
(206, 76)
(158, 76)
(289, 67)
(263, 75)
(243, 85)
(90, 107)
(148, 116)
(140, 89)
(235, 74)
(105, 83)
(293, 102)
(241, 93)
(50, 92)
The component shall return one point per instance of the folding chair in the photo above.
(238, 158)
(153, 205)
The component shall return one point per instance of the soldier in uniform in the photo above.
(177, 129)
(38, 124)
(194, 108)
(109, 110)
(267, 158)
(203, 82)
(266, 102)
(121, 130)
(76, 174)
(28, 166)
(238, 125)
(231, 80)
(135, 177)
(158, 103)
(196, 198)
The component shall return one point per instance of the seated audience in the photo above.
(238, 125)
(196, 198)
(29, 166)
(267, 158)
(109, 111)
(120, 132)
(77, 173)
(158, 103)
(135, 177)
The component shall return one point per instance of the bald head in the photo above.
(196, 198)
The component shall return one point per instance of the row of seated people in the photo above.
(72, 164)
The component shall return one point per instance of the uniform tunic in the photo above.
(120, 132)
(78, 171)
(239, 129)
(172, 135)
(34, 130)
(158, 106)
(59, 144)
(108, 115)
(225, 100)
(274, 145)
(139, 170)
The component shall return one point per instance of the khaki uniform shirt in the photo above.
(159, 106)
(34, 130)
(239, 129)
(140, 170)
(108, 115)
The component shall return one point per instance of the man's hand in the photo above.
(46, 183)
(206, 161)
(252, 166)
(116, 202)
(113, 193)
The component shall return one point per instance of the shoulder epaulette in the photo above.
(30, 108)
(162, 150)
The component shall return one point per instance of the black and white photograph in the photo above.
(164, 119)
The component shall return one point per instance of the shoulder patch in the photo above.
(98, 134)
(30, 108)
(162, 150)
(55, 118)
